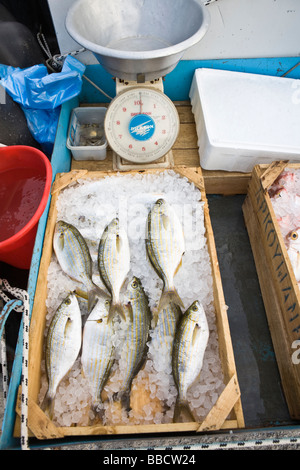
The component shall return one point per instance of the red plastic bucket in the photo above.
(25, 182)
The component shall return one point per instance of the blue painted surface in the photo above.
(177, 83)
(176, 86)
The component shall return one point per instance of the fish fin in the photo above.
(167, 297)
(165, 221)
(61, 241)
(116, 307)
(81, 293)
(118, 243)
(67, 325)
(195, 333)
(130, 311)
(178, 267)
(48, 405)
(93, 293)
(123, 398)
(182, 411)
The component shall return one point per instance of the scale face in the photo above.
(141, 124)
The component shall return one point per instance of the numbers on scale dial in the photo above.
(141, 124)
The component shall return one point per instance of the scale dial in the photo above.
(141, 124)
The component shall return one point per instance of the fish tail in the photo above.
(123, 398)
(169, 296)
(93, 293)
(116, 307)
(48, 405)
(182, 410)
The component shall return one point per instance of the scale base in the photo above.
(121, 164)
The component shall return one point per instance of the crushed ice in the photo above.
(90, 205)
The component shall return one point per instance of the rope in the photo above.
(19, 305)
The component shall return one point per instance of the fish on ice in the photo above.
(134, 350)
(114, 263)
(97, 356)
(165, 247)
(189, 346)
(63, 344)
(164, 332)
(75, 260)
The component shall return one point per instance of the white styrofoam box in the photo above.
(244, 119)
(86, 116)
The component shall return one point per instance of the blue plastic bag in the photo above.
(40, 94)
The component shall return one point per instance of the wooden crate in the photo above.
(278, 284)
(225, 414)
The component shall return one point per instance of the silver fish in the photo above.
(75, 260)
(188, 351)
(97, 355)
(293, 249)
(63, 344)
(135, 347)
(165, 247)
(167, 322)
(114, 263)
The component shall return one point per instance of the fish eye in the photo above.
(68, 301)
(294, 235)
(107, 302)
(195, 308)
(159, 202)
(134, 284)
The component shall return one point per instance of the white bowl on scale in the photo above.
(137, 40)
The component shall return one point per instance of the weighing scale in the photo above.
(139, 42)
(141, 126)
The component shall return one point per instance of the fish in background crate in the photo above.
(285, 197)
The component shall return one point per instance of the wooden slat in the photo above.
(136, 430)
(280, 289)
(225, 403)
(274, 313)
(66, 179)
(271, 173)
(38, 423)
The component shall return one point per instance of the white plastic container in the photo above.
(86, 136)
(245, 119)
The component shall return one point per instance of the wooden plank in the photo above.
(281, 269)
(97, 430)
(226, 183)
(187, 137)
(279, 286)
(274, 313)
(67, 178)
(39, 424)
(271, 173)
(226, 401)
